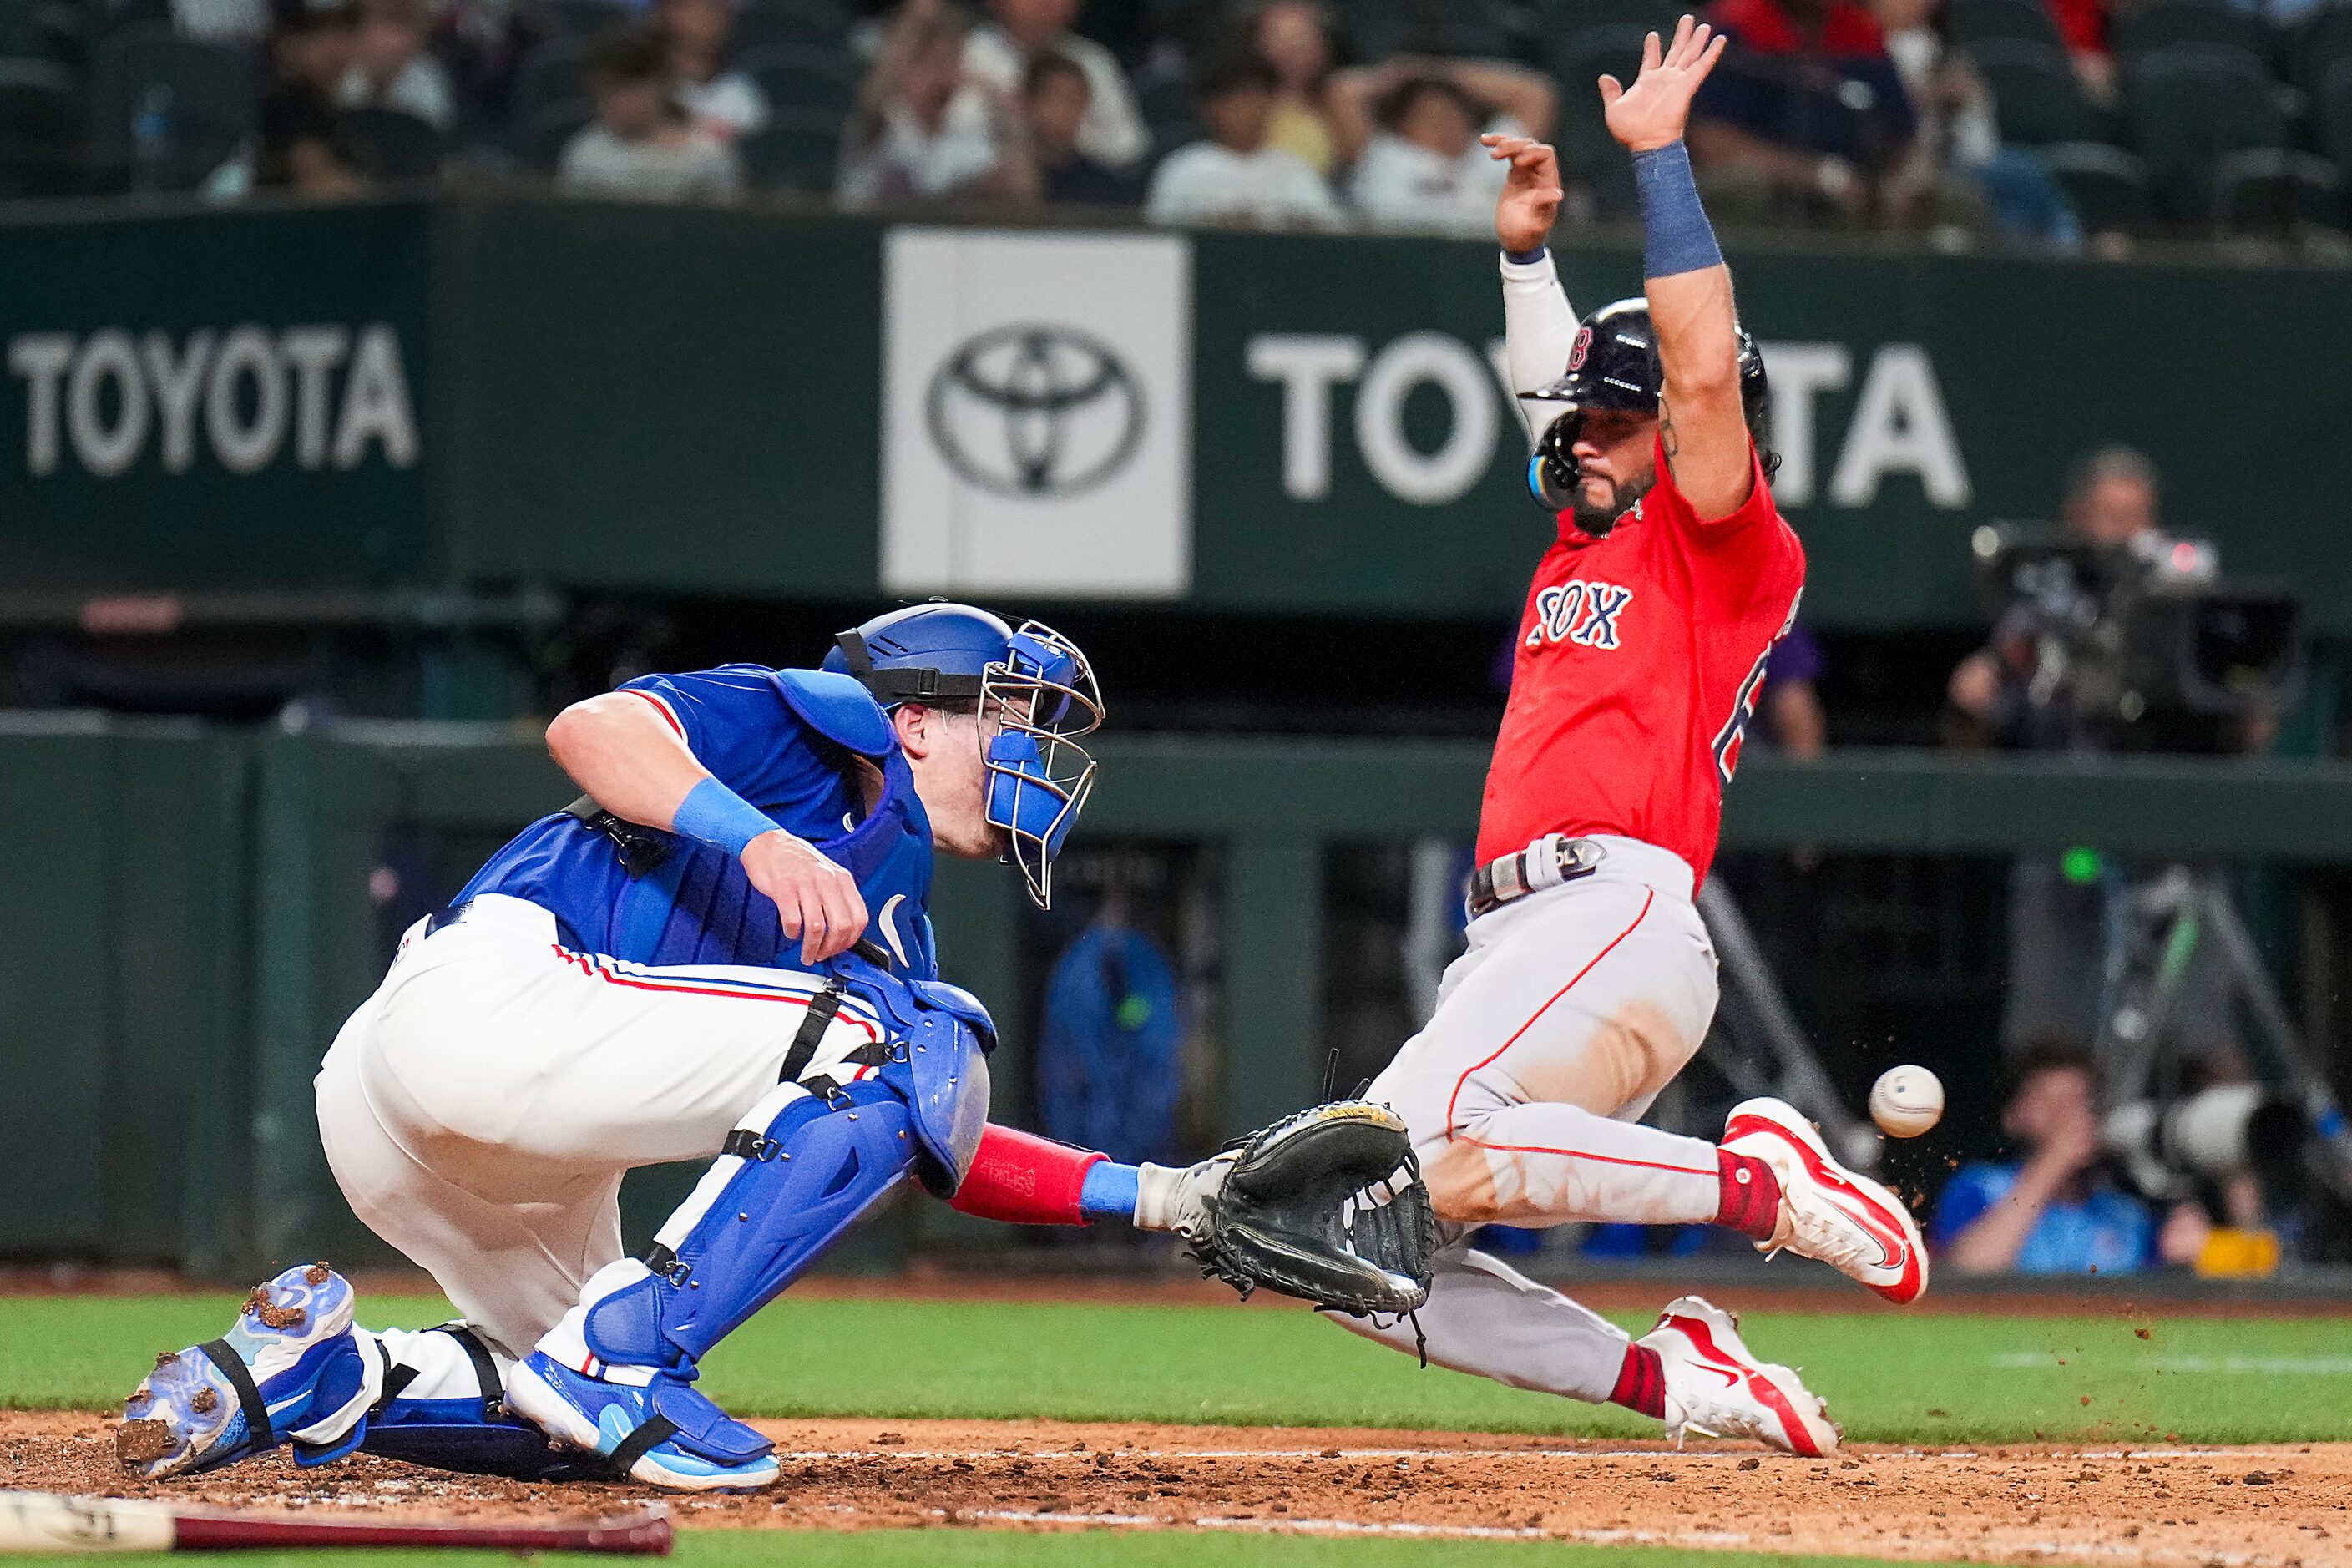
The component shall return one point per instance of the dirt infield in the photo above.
(2283, 1507)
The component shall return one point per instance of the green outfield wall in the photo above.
(481, 392)
(195, 910)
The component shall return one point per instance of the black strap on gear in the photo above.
(248, 1392)
(906, 683)
(641, 849)
(398, 1376)
(822, 1008)
(633, 1447)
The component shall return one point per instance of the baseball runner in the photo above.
(1589, 979)
(667, 971)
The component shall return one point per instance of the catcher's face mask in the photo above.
(1038, 699)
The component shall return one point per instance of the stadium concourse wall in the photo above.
(475, 391)
(197, 909)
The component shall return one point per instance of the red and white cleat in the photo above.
(1716, 1387)
(1848, 1222)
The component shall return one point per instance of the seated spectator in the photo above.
(1234, 176)
(904, 146)
(2053, 1213)
(1324, 129)
(997, 55)
(1804, 111)
(725, 102)
(642, 144)
(1054, 99)
(1959, 131)
(301, 145)
(1424, 168)
(2083, 24)
(392, 67)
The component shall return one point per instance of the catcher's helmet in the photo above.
(1031, 680)
(1614, 367)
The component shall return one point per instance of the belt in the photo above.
(1546, 863)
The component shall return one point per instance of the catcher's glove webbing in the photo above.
(1327, 1205)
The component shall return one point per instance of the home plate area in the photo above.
(2283, 1505)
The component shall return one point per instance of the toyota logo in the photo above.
(1035, 411)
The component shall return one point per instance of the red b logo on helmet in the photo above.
(1576, 355)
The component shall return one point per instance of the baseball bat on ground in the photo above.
(50, 1523)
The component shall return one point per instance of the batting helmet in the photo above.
(1031, 680)
(1614, 367)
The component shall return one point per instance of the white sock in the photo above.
(567, 1343)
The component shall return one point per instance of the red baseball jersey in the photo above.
(1639, 661)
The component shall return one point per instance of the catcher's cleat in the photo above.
(290, 1370)
(663, 1433)
(1827, 1212)
(1716, 1387)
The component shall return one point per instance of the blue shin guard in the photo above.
(800, 1172)
(767, 1209)
(473, 1433)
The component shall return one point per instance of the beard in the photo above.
(1598, 519)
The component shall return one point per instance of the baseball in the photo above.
(1906, 1101)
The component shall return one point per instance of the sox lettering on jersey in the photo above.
(1581, 612)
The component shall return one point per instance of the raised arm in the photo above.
(1702, 425)
(628, 750)
(1539, 323)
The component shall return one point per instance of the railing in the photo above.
(193, 917)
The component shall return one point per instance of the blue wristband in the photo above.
(1675, 235)
(1108, 1191)
(714, 815)
(1525, 258)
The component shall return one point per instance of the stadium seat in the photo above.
(798, 77)
(2323, 37)
(394, 144)
(2190, 105)
(206, 93)
(42, 129)
(2106, 185)
(1558, 21)
(2144, 29)
(1591, 154)
(2332, 112)
(794, 24)
(2035, 93)
(580, 19)
(554, 72)
(2272, 190)
(2022, 21)
(797, 149)
(545, 133)
(1479, 28)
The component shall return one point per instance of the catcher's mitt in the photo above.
(1327, 1205)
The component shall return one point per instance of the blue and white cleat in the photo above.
(290, 1371)
(664, 1434)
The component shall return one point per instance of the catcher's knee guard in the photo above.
(768, 1208)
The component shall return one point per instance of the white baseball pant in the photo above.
(1552, 1033)
(481, 1108)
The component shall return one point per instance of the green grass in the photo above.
(1088, 1549)
(1888, 1377)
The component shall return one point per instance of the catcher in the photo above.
(722, 948)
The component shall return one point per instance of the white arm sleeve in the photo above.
(1538, 328)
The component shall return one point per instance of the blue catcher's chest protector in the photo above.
(786, 740)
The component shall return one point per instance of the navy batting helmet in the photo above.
(1613, 367)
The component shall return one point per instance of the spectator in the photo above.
(1802, 113)
(1794, 719)
(1325, 128)
(301, 146)
(392, 67)
(725, 102)
(642, 142)
(1958, 130)
(1053, 97)
(2083, 24)
(997, 55)
(904, 145)
(1234, 176)
(2053, 1213)
(1423, 168)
